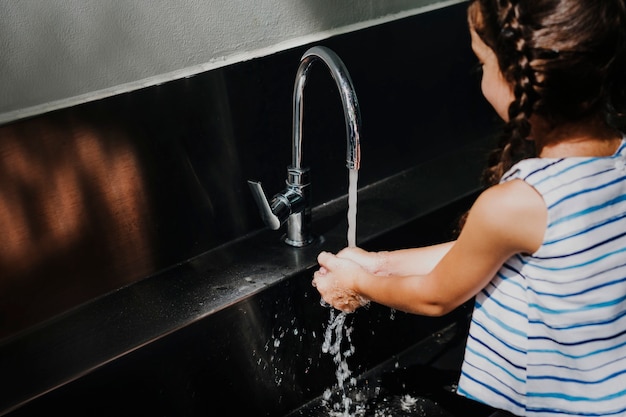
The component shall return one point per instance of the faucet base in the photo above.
(298, 243)
(299, 229)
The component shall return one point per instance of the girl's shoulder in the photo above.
(515, 212)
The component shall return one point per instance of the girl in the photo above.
(543, 248)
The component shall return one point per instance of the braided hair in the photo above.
(564, 59)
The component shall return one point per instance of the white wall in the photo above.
(57, 53)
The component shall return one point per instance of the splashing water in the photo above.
(333, 338)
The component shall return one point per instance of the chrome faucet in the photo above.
(293, 204)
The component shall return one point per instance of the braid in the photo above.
(514, 60)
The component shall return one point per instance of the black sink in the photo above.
(239, 330)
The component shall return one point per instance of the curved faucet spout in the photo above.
(352, 113)
(293, 205)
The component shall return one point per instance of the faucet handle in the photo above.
(272, 220)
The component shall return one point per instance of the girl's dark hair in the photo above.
(565, 60)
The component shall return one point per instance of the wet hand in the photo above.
(335, 282)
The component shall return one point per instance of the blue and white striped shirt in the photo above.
(548, 334)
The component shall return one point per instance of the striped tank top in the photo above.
(548, 334)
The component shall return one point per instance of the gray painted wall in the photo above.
(57, 53)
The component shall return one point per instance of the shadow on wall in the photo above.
(101, 195)
(73, 216)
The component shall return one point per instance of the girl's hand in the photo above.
(335, 281)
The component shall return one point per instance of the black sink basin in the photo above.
(239, 330)
(263, 356)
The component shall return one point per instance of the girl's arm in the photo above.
(411, 261)
(506, 219)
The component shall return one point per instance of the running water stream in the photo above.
(334, 343)
(352, 193)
